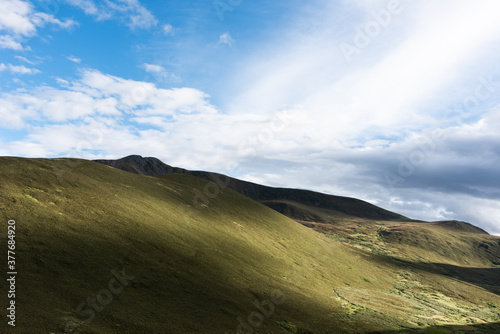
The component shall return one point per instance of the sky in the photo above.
(395, 102)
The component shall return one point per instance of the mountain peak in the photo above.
(141, 165)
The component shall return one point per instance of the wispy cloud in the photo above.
(132, 12)
(153, 68)
(26, 60)
(159, 74)
(9, 42)
(89, 8)
(74, 59)
(168, 29)
(18, 69)
(226, 39)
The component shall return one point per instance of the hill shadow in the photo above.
(486, 278)
(492, 328)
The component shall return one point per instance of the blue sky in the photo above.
(395, 102)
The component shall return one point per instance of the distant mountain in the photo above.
(295, 203)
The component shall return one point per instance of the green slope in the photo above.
(294, 203)
(447, 242)
(348, 219)
(201, 270)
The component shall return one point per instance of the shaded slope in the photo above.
(477, 328)
(303, 201)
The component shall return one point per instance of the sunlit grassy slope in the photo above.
(294, 203)
(351, 220)
(206, 270)
(447, 242)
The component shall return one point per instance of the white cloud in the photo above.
(131, 12)
(168, 29)
(11, 117)
(159, 74)
(74, 59)
(40, 19)
(19, 19)
(26, 60)
(16, 17)
(100, 94)
(8, 42)
(60, 106)
(145, 96)
(142, 18)
(89, 8)
(153, 68)
(226, 39)
(18, 69)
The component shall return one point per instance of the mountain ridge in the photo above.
(350, 220)
(299, 204)
(270, 196)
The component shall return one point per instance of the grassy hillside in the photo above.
(205, 269)
(301, 202)
(350, 220)
(448, 242)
